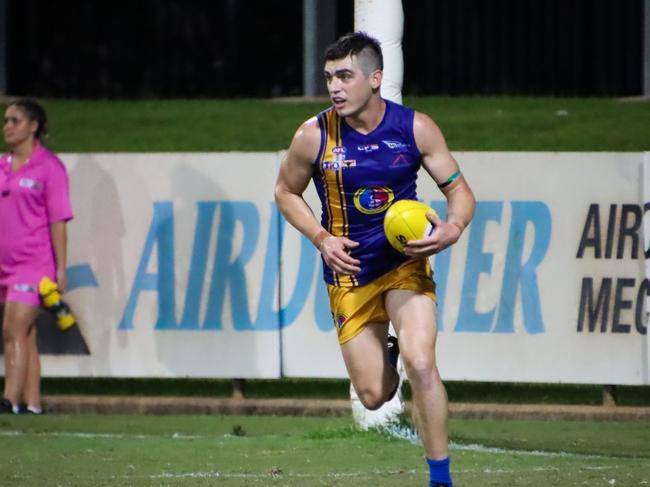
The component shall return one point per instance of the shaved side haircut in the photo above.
(365, 48)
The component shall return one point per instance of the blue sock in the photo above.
(439, 473)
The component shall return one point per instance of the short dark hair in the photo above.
(357, 44)
(34, 111)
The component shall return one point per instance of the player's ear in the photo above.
(375, 78)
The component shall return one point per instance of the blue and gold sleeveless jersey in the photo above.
(358, 177)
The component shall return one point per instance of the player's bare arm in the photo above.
(294, 176)
(443, 168)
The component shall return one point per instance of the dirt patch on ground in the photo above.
(83, 404)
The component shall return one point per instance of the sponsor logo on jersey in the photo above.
(396, 145)
(368, 148)
(339, 162)
(373, 199)
(336, 165)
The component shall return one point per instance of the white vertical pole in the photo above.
(383, 20)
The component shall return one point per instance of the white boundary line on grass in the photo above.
(409, 434)
(397, 432)
(78, 434)
(273, 475)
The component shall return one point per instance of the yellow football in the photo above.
(406, 220)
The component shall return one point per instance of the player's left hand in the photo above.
(61, 280)
(444, 235)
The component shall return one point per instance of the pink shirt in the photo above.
(31, 199)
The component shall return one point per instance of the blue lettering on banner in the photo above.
(306, 265)
(79, 276)
(228, 278)
(478, 262)
(161, 233)
(198, 265)
(228, 272)
(522, 277)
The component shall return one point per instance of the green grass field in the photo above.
(303, 452)
(469, 123)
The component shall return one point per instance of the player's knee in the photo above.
(372, 398)
(421, 369)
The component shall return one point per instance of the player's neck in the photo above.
(368, 118)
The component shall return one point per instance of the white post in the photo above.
(383, 20)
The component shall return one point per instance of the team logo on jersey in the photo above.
(396, 145)
(399, 161)
(373, 199)
(339, 162)
(29, 183)
(368, 148)
(340, 321)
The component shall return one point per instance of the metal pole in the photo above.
(309, 47)
(3, 47)
(318, 31)
(646, 48)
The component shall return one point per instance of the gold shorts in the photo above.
(354, 307)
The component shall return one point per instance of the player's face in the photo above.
(349, 87)
(17, 126)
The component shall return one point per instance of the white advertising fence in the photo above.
(180, 265)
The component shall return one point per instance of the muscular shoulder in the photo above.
(306, 141)
(428, 135)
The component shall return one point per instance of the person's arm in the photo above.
(443, 168)
(60, 244)
(295, 172)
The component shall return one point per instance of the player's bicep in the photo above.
(436, 158)
(293, 176)
(297, 165)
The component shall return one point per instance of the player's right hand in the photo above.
(336, 253)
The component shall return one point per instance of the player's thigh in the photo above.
(365, 354)
(414, 318)
(18, 319)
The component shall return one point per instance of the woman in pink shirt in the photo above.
(34, 209)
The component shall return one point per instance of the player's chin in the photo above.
(341, 112)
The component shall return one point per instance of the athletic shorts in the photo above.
(22, 293)
(354, 307)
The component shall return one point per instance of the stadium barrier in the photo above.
(180, 265)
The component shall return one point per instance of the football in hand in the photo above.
(406, 220)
